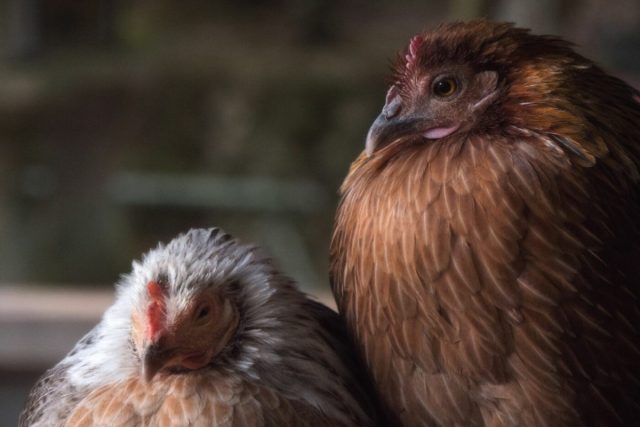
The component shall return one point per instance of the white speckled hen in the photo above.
(205, 332)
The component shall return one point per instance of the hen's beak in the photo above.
(154, 359)
(385, 130)
(393, 123)
(390, 124)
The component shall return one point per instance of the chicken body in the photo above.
(485, 251)
(205, 332)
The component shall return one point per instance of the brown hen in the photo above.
(485, 252)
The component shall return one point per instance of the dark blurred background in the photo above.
(125, 123)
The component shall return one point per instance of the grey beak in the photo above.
(389, 125)
(155, 358)
(384, 131)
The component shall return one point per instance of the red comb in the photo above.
(155, 290)
(156, 309)
(412, 56)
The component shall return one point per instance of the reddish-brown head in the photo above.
(484, 77)
(438, 90)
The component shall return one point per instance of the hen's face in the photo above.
(174, 335)
(432, 100)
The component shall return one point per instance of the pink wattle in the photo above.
(195, 360)
(437, 133)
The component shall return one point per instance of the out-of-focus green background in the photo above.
(124, 123)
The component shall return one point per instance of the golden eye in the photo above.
(445, 87)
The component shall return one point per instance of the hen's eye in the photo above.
(203, 312)
(445, 87)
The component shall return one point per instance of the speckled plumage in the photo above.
(490, 275)
(286, 361)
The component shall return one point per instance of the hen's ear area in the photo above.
(486, 85)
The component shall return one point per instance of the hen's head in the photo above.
(205, 306)
(484, 77)
(186, 309)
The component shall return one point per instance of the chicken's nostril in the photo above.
(392, 107)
